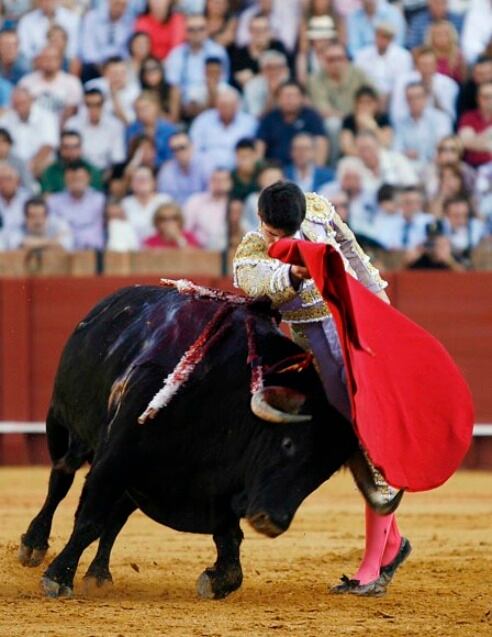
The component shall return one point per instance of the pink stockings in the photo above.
(383, 541)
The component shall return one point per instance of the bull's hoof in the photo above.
(55, 589)
(94, 582)
(29, 556)
(214, 584)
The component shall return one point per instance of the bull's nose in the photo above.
(270, 525)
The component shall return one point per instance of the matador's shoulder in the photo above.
(252, 246)
(318, 208)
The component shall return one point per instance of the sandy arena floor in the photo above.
(445, 588)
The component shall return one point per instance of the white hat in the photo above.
(321, 28)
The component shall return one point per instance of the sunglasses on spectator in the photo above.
(94, 104)
(335, 58)
(173, 218)
(152, 67)
(195, 29)
(451, 149)
(177, 149)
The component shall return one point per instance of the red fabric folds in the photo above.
(411, 406)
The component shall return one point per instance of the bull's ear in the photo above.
(279, 405)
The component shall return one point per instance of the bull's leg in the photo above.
(226, 575)
(67, 455)
(98, 572)
(103, 487)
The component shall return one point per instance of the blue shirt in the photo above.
(180, 185)
(19, 68)
(421, 22)
(163, 132)
(186, 68)
(278, 134)
(5, 92)
(360, 26)
(102, 38)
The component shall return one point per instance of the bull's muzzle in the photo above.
(264, 524)
(279, 405)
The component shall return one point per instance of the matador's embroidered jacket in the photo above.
(259, 275)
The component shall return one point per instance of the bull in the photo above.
(205, 460)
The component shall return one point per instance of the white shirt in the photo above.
(140, 216)
(54, 95)
(284, 22)
(384, 69)
(394, 169)
(32, 29)
(41, 129)
(122, 236)
(215, 141)
(444, 91)
(205, 217)
(390, 230)
(127, 96)
(103, 144)
(56, 228)
(477, 29)
(12, 212)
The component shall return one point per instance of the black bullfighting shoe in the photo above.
(390, 569)
(377, 588)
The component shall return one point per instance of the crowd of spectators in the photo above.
(147, 125)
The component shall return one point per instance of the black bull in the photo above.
(203, 462)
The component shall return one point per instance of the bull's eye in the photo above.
(288, 447)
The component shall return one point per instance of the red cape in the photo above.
(411, 406)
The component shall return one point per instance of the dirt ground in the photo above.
(444, 589)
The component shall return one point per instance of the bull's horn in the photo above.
(380, 496)
(279, 404)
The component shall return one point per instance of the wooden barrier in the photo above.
(37, 315)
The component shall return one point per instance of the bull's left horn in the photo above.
(279, 404)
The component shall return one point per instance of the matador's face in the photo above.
(271, 234)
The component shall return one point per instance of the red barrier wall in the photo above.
(38, 314)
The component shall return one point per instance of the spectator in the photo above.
(475, 129)
(313, 45)
(436, 11)
(168, 223)
(477, 30)
(152, 80)
(333, 90)
(206, 213)
(260, 91)
(413, 220)
(386, 222)
(303, 170)
(383, 166)
(6, 154)
(268, 175)
(54, 90)
(184, 174)
(221, 22)
(443, 38)
(384, 61)
(185, 65)
(245, 60)
(33, 27)
(451, 184)
(278, 128)
(216, 132)
(435, 254)
(105, 32)
(441, 90)
(284, 18)
(120, 234)
(120, 93)
(417, 135)
(366, 116)
(138, 50)
(140, 206)
(205, 97)
(481, 73)
(150, 123)
(164, 25)
(12, 198)
(39, 230)
(360, 24)
(33, 129)
(81, 207)
(462, 228)
(448, 152)
(141, 152)
(70, 151)
(103, 136)
(13, 65)
(245, 174)
(58, 38)
(339, 200)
